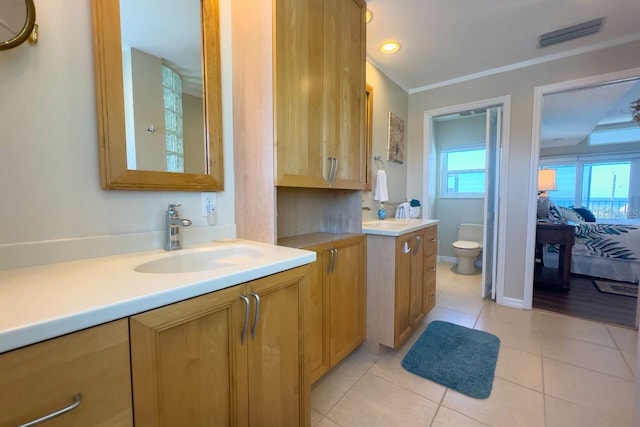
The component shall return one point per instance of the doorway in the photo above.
(576, 155)
(494, 140)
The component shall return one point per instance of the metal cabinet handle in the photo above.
(335, 259)
(331, 166)
(418, 240)
(246, 319)
(335, 171)
(256, 316)
(407, 249)
(77, 398)
(333, 254)
(432, 269)
(433, 240)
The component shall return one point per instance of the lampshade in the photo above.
(547, 180)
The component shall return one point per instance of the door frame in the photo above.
(538, 93)
(429, 173)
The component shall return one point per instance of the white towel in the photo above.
(381, 194)
(403, 210)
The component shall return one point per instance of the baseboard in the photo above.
(447, 259)
(512, 302)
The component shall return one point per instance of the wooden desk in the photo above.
(554, 233)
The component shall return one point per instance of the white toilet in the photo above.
(468, 247)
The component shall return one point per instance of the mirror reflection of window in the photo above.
(173, 122)
(162, 77)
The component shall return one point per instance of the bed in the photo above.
(609, 251)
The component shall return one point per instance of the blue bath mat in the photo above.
(460, 358)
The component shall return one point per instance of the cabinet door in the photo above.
(317, 316)
(300, 155)
(344, 89)
(404, 258)
(278, 377)
(188, 365)
(43, 378)
(345, 280)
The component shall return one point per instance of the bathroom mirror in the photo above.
(17, 18)
(158, 94)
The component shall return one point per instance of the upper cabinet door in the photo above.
(319, 75)
(344, 90)
(298, 94)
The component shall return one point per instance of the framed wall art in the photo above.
(396, 139)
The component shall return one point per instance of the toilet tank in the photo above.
(470, 232)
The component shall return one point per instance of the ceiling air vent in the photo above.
(572, 32)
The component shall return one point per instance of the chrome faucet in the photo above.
(174, 222)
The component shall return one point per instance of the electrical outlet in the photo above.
(208, 203)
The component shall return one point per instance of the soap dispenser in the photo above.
(382, 214)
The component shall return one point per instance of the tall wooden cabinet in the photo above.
(319, 93)
(299, 109)
(336, 305)
(401, 284)
(232, 357)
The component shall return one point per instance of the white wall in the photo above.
(49, 177)
(520, 85)
(387, 97)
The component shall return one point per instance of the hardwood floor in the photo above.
(585, 301)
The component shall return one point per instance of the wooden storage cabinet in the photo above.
(319, 93)
(43, 378)
(401, 284)
(336, 303)
(199, 362)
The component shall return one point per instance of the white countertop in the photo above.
(38, 303)
(395, 226)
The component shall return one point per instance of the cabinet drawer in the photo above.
(431, 237)
(43, 378)
(430, 281)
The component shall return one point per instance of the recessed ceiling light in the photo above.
(390, 47)
(368, 16)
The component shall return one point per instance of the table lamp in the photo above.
(546, 182)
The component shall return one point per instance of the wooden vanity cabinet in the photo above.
(336, 302)
(319, 93)
(43, 378)
(231, 357)
(401, 284)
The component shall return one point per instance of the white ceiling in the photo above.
(445, 40)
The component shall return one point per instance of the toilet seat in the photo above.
(465, 244)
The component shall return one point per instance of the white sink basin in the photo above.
(194, 260)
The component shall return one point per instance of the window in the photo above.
(615, 135)
(605, 189)
(173, 122)
(602, 185)
(463, 172)
(565, 184)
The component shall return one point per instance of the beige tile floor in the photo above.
(552, 371)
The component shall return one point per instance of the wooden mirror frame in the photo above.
(367, 132)
(26, 29)
(114, 173)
